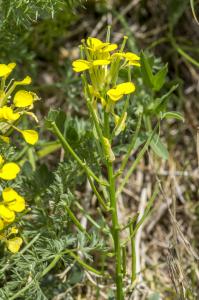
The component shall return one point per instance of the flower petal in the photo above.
(8, 114)
(101, 62)
(80, 65)
(9, 171)
(14, 244)
(6, 214)
(23, 98)
(14, 201)
(30, 136)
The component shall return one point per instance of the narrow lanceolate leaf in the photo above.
(146, 70)
(172, 115)
(159, 148)
(159, 78)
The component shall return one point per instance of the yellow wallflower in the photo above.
(13, 200)
(132, 58)
(80, 65)
(12, 203)
(9, 170)
(7, 113)
(5, 70)
(95, 44)
(6, 214)
(23, 98)
(14, 244)
(120, 90)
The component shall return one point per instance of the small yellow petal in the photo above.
(26, 81)
(6, 214)
(80, 65)
(134, 63)
(131, 56)
(101, 62)
(23, 98)
(114, 94)
(8, 114)
(14, 244)
(110, 48)
(5, 70)
(125, 88)
(30, 136)
(9, 171)
(13, 230)
(94, 43)
(14, 201)
(121, 89)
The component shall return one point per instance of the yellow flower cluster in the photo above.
(101, 62)
(12, 108)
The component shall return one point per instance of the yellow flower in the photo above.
(80, 65)
(8, 114)
(9, 171)
(6, 214)
(120, 90)
(95, 44)
(5, 70)
(14, 244)
(13, 200)
(132, 58)
(23, 98)
(30, 136)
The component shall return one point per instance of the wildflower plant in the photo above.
(13, 105)
(102, 66)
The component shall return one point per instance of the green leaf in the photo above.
(146, 70)
(172, 115)
(159, 148)
(159, 78)
(159, 103)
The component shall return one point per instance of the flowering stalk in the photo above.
(100, 64)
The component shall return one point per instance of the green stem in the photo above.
(100, 199)
(85, 265)
(133, 255)
(75, 156)
(76, 222)
(131, 146)
(115, 234)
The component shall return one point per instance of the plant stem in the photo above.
(115, 234)
(133, 254)
(115, 224)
